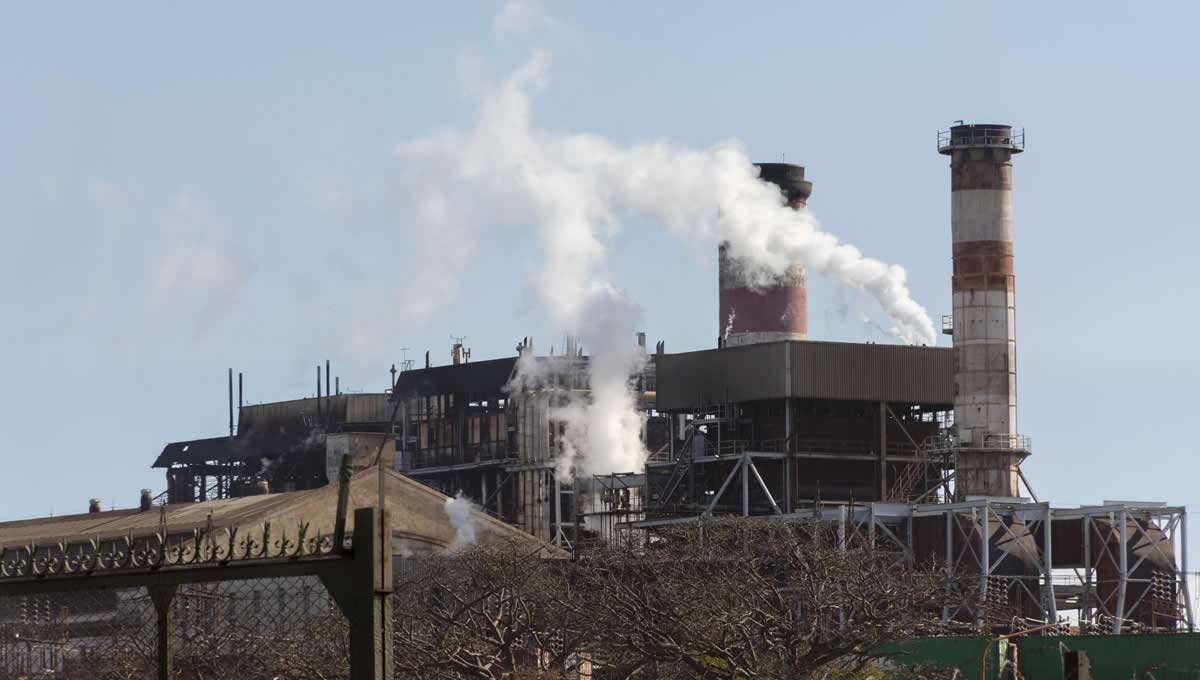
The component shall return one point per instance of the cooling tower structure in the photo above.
(749, 313)
(984, 323)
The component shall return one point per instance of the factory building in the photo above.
(912, 449)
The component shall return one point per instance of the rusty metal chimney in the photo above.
(147, 500)
(984, 322)
(93, 505)
(778, 311)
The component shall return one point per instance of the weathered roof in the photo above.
(806, 369)
(251, 443)
(418, 514)
(283, 427)
(483, 378)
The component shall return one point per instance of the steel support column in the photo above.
(163, 597)
(1047, 561)
(1183, 563)
(1124, 566)
(883, 483)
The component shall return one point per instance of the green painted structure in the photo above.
(1172, 656)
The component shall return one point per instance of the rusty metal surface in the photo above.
(806, 369)
(779, 309)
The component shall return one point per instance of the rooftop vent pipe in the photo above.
(93, 505)
(262, 487)
(147, 500)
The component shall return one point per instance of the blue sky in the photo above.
(188, 189)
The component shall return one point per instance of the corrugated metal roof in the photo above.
(418, 513)
(806, 369)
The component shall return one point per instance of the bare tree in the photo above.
(483, 613)
(730, 599)
(754, 599)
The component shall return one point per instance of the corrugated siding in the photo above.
(367, 408)
(835, 370)
(824, 370)
(713, 376)
(356, 408)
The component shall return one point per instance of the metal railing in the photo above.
(947, 442)
(980, 136)
(1006, 441)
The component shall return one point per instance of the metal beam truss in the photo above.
(1152, 535)
(1009, 546)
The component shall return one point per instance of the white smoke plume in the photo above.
(458, 509)
(575, 188)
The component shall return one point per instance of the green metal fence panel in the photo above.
(1116, 657)
(1113, 657)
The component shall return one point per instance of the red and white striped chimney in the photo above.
(984, 322)
(779, 310)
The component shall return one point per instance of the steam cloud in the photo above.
(458, 509)
(576, 188)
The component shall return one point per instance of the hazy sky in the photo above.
(184, 190)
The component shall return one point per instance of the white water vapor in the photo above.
(458, 509)
(576, 188)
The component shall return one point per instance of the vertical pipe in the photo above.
(1124, 548)
(240, 402)
(231, 403)
(337, 385)
(883, 481)
(328, 411)
(557, 512)
(318, 391)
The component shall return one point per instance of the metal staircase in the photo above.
(716, 415)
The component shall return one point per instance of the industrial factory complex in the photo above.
(916, 449)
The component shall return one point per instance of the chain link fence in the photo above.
(255, 629)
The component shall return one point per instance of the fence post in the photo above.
(163, 597)
(363, 590)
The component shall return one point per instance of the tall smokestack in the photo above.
(984, 325)
(779, 310)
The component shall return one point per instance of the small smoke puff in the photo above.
(459, 510)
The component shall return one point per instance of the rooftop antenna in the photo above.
(393, 372)
(457, 353)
